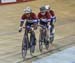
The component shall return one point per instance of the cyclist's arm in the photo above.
(34, 18)
(53, 16)
(22, 20)
(48, 18)
(21, 24)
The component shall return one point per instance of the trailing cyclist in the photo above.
(44, 20)
(52, 22)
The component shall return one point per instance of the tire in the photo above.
(24, 47)
(40, 46)
(41, 42)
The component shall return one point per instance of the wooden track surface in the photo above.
(10, 39)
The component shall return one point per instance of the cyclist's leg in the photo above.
(52, 30)
(47, 35)
(28, 28)
(25, 39)
(34, 38)
(33, 34)
(41, 31)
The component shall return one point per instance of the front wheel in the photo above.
(24, 47)
(41, 40)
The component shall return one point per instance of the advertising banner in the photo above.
(7, 1)
(0, 1)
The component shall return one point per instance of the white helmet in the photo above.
(47, 7)
(27, 10)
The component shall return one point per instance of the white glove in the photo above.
(53, 30)
(20, 29)
(49, 26)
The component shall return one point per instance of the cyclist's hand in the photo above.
(20, 29)
(49, 27)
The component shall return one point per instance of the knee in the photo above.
(52, 25)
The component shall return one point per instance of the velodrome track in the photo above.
(10, 39)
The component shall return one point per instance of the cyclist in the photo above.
(44, 18)
(29, 17)
(53, 20)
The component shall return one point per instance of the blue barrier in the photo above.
(65, 56)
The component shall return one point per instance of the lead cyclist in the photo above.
(29, 18)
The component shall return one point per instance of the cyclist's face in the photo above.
(43, 13)
(27, 14)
